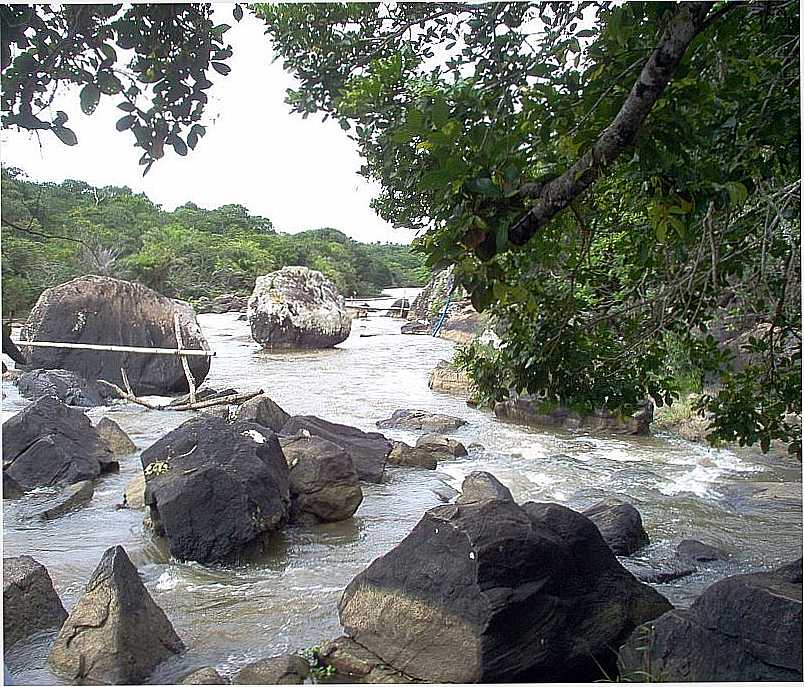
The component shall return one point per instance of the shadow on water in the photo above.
(283, 595)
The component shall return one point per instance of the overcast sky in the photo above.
(300, 173)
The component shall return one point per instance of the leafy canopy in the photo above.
(472, 116)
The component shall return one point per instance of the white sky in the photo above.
(300, 173)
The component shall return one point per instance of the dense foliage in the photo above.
(53, 232)
(618, 184)
(155, 60)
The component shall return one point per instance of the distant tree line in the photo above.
(54, 232)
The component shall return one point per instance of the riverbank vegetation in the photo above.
(54, 232)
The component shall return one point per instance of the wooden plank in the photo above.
(122, 349)
(180, 344)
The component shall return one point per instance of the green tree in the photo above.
(611, 181)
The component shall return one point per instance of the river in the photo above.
(287, 599)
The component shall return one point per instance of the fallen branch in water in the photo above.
(234, 399)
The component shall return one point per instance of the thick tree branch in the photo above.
(556, 195)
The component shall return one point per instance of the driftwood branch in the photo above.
(557, 194)
(233, 399)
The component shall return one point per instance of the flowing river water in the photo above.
(286, 600)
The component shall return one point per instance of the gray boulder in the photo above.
(745, 628)
(72, 497)
(297, 307)
(620, 524)
(482, 486)
(288, 669)
(49, 443)
(368, 450)
(488, 591)
(324, 486)
(115, 438)
(68, 386)
(694, 550)
(354, 663)
(102, 310)
(263, 411)
(115, 634)
(30, 603)
(448, 448)
(410, 456)
(413, 419)
(213, 488)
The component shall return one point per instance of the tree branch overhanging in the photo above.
(556, 195)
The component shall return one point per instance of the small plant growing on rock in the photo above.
(319, 672)
(158, 467)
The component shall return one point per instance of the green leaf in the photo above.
(221, 68)
(125, 122)
(179, 146)
(738, 193)
(237, 13)
(65, 135)
(502, 237)
(126, 107)
(440, 112)
(90, 96)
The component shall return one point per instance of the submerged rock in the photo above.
(744, 628)
(324, 486)
(11, 488)
(68, 386)
(288, 669)
(30, 603)
(102, 310)
(414, 419)
(297, 307)
(203, 676)
(263, 411)
(658, 571)
(72, 497)
(49, 443)
(694, 550)
(213, 487)
(368, 450)
(488, 591)
(620, 524)
(115, 438)
(115, 634)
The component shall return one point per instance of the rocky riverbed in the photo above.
(286, 599)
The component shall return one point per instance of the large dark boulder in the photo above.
(414, 419)
(488, 591)
(620, 524)
(368, 450)
(297, 307)
(324, 486)
(102, 310)
(49, 443)
(30, 603)
(66, 385)
(115, 634)
(214, 487)
(745, 628)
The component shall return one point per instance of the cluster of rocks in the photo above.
(227, 302)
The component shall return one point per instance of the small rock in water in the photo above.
(442, 445)
(115, 438)
(203, 676)
(408, 418)
(115, 634)
(354, 663)
(697, 551)
(620, 524)
(288, 669)
(72, 497)
(483, 486)
(263, 411)
(657, 571)
(411, 456)
(30, 603)
(134, 495)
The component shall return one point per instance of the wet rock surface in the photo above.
(115, 634)
(30, 603)
(263, 411)
(50, 443)
(414, 419)
(324, 485)
(213, 487)
(288, 669)
(742, 628)
(368, 450)
(73, 496)
(115, 438)
(203, 676)
(68, 386)
(297, 307)
(410, 456)
(528, 593)
(102, 310)
(620, 524)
